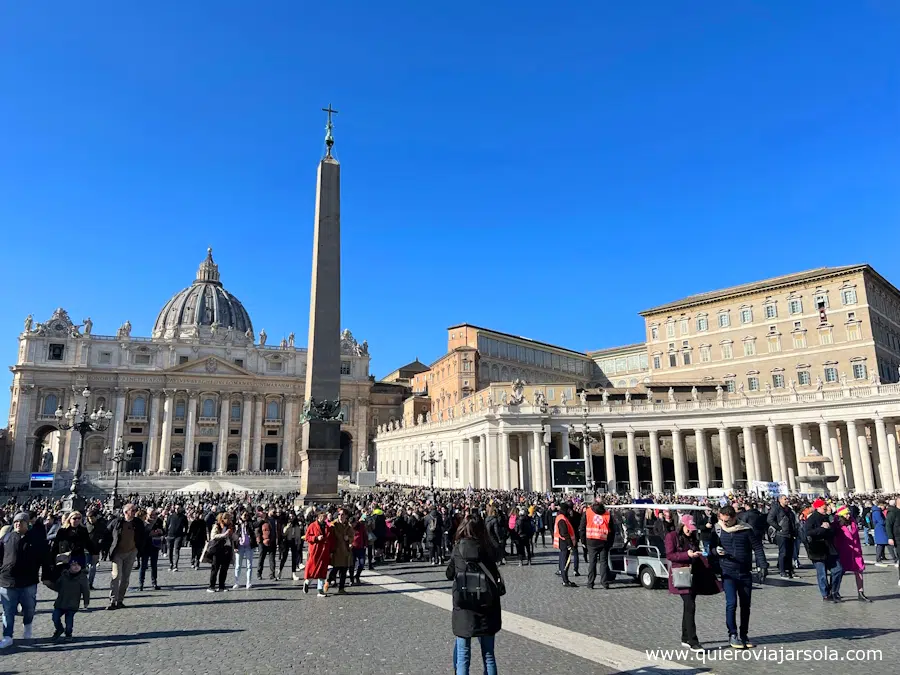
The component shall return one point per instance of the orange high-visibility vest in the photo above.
(556, 530)
(597, 525)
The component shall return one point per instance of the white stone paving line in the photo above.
(593, 649)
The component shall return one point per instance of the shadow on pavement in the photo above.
(848, 633)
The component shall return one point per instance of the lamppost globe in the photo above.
(59, 413)
(86, 393)
(109, 415)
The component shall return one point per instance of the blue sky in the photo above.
(545, 169)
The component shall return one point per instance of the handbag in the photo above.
(682, 577)
(498, 582)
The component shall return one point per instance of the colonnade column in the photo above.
(884, 458)
(782, 456)
(483, 458)
(855, 461)
(610, 459)
(749, 459)
(633, 481)
(678, 457)
(537, 484)
(523, 455)
(153, 442)
(865, 458)
(493, 479)
(505, 464)
(165, 447)
(837, 467)
(246, 411)
(473, 463)
(774, 460)
(798, 448)
(564, 443)
(546, 469)
(256, 450)
(655, 463)
(892, 454)
(702, 464)
(725, 458)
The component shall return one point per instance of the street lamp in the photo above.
(118, 456)
(584, 434)
(78, 419)
(432, 457)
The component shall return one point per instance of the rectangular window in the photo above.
(746, 315)
(670, 329)
(684, 327)
(831, 374)
(724, 320)
(859, 371)
(239, 363)
(749, 348)
(771, 311)
(798, 324)
(55, 352)
(235, 411)
(657, 362)
(778, 381)
(654, 333)
(729, 386)
(503, 351)
(234, 432)
(848, 296)
(183, 359)
(753, 383)
(851, 316)
(105, 357)
(345, 368)
(555, 361)
(142, 359)
(822, 301)
(795, 306)
(275, 366)
(799, 340)
(702, 324)
(686, 357)
(673, 360)
(825, 337)
(774, 344)
(727, 352)
(179, 431)
(551, 394)
(852, 333)
(456, 467)
(803, 378)
(705, 356)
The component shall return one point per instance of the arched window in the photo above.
(235, 411)
(232, 462)
(139, 407)
(209, 408)
(50, 404)
(272, 410)
(179, 409)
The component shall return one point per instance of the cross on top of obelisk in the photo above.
(329, 139)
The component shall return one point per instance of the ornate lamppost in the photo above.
(584, 435)
(432, 457)
(78, 419)
(119, 455)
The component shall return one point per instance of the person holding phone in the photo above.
(220, 550)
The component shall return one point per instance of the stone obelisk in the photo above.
(321, 424)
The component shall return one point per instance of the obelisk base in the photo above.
(319, 456)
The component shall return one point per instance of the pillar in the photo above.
(505, 463)
(855, 460)
(655, 463)
(538, 484)
(119, 419)
(483, 457)
(165, 447)
(892, 454)
(749, 459)
(884, 459)
(725, 457)
(472, 478)
(288, 450)
(493, 478)
(222, 449)
(865, 458)
(807, 450)
(256, 447)
(246, 412)
(189, 431)
(610, 459)
(774, 462)
(799, 467)
(678, 457)
(782, 456)
(633, 481)
(564, 443)
(152, 460)
(834, 452)
(702, 459)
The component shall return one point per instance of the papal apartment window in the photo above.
(803, 378)
(673, 360)
(822, 300)
(727, 352)
(724, 320)
(859, 371)
(831, 374)
(778, 381)
(825, 337)
(800, 341)
(848, 296)
(654, 333)
(105, 357)
(774, 344)
(686, 357)
(730, 387)
(753, 383)
(705, 356)
(345, 367)
(749, 348)
(684, 327)
(657, 363)
(746, 316)
(795, 306)
(702, 324)
(55, 352)
(142, 359)
(852, 333)
(771, 311)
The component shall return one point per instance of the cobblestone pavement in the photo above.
(275, 628)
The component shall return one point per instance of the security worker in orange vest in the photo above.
(564, 540)
(598, 534)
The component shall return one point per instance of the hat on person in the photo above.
(844, 511)
(819, 503)
(21, 515)
(687, 520)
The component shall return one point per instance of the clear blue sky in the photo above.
(546, 169)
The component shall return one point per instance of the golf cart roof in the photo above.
(660, 507)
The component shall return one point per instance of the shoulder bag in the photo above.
(682, 577)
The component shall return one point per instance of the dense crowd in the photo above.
(711, 544)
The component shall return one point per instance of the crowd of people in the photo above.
(711, 548)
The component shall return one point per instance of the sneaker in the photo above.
(56, 634)
(837, 597)
(112, 606)
(748, 643)
(6, 642)
(248, 586)
(28, 630)
(175, 569)
(210, 590)
(306, 586)
(295, 577)
(156, 587)
(735, 642)
(342, 591)
(321, 594)
(696, 647)
(301, 566)
(235, 587)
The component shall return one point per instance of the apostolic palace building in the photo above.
(202, 394)
(727, 388)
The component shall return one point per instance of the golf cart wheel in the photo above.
(647, 577)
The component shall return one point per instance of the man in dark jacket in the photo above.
(176, 530)
(820, 546)
(266, 538)
(434, 526)
(892, 526)
(781, 517)
(99, 536)
(524, 529)
(127, 538)
(735, 546)
(22, 552)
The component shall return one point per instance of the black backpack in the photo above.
(475, 588)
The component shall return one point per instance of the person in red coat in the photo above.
(321, 542)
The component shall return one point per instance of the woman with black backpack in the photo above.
(477, 587)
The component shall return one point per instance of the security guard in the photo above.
(564, 541)
(598, 534)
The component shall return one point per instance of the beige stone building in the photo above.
(622, 367)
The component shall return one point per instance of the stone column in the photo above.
(523, 456)
(807, 451)
(760, 459)
(865, 458)
(189, 431)
(538, 484)
(678, 458)
(504, 463)
(633, 479)
(471, 475)
(884, 458)
(725, 457)
(152, 460)
(493, 457)
(782, 456)
(246, 416)
(799, 466)
(483, 458)
(564, 443)
(772, 442)
(892, 454)
(165, 451)
(224, 416)
(749, 459)
(855, 460)
(702, 464)
(655, 463)
(256, 447)
(119, 419)
(610, 458)
(288, 450)
(834, 452)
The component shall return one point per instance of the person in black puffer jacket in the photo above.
(72, 540)
(781, 517)
(495, 534)
(472, 555)
(821, 550)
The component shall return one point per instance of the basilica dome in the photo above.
(203, 307)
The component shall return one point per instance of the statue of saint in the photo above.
(582, 395)
(29, 322)
(291, 339)
(694, 395)
(262, 337)
(47, 461)
(88, 326)
(671, 394)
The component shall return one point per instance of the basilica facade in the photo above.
(203, 393)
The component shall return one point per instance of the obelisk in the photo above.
(321, 423)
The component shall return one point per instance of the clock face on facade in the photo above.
(58, 326)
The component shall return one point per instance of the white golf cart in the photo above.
(636, 552)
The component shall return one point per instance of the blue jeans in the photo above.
(11, 598)
(462, 655)
(70, 620)
(737, 588)
(244, 559)
(833, 565)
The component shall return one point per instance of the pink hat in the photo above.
(687, 520)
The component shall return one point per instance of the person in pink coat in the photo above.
(849, 548)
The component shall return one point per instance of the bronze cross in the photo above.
(330, 111)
